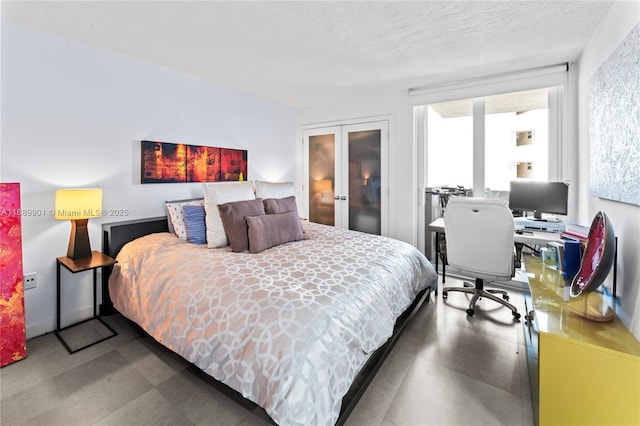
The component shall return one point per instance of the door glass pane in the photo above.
(365, 167)
(322, 179)
(516, 139)
(450, 144)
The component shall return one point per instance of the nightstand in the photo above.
(97, 260)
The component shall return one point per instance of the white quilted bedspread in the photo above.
(290, 327)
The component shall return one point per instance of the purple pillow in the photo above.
(233, 220)
(273, 229)
(280, 205)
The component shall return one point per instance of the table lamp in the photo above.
(78, 206)
(322, 186)
(322, 190)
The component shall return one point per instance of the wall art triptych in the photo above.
(164, 162)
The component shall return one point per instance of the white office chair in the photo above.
(479, 234)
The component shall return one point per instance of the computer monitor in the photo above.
(539, 197)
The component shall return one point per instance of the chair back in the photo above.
(479, 235)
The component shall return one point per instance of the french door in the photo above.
(346, 176)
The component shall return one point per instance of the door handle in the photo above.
(529, 317)
(344, 197)
(336, 198)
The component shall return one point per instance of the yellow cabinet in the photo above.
(582, 372)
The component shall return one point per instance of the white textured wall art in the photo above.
(614, 123)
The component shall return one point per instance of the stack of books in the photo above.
(556, 254)
(576, 232)
(566, 256)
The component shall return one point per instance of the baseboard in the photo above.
(40, 328)
(47, 326)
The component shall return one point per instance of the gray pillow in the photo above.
(233, 220)
(280, 205)
(273, 229)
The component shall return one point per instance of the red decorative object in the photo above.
(164, 162)
(13, 339)
(598, 256)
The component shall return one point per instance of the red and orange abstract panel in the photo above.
(164, 162)
(203, 164)
(13, 340)
(233, 164)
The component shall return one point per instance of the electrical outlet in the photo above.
(30, 280)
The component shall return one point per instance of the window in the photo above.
(450, 144)
(465, 145)
(484, 143)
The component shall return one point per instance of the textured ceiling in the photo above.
(309, 53)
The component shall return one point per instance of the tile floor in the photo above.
(446, 369)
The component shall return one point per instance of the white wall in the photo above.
(74, 116)
(622, 17)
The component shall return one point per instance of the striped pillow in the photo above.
(176, 218)
(195, 224)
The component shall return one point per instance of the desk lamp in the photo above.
(78, 206)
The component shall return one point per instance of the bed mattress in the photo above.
(290, 327)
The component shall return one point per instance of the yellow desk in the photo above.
(582, 372)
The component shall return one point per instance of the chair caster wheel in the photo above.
(506, 297)
(516, 315)
(470, 312)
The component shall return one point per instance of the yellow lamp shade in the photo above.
(82, 203)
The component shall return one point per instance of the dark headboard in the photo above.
(114, 236)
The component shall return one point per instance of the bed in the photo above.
(299, 329)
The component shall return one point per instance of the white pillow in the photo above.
(174, 209)
(220, 193)
(266, 190)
